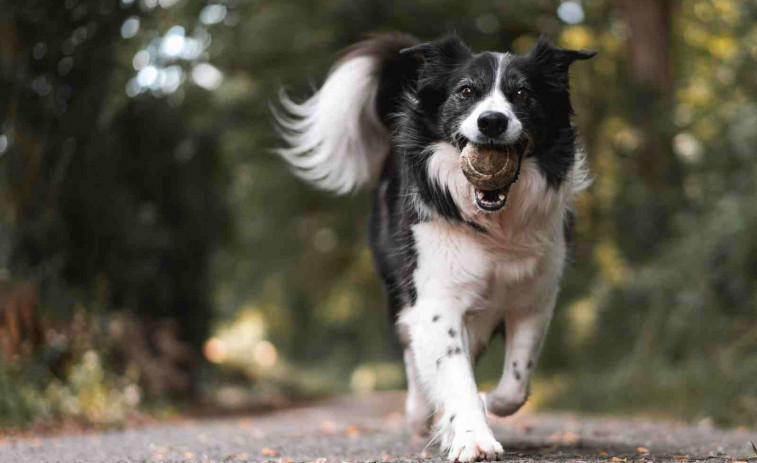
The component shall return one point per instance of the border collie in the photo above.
(459, 263)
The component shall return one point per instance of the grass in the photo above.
(86, 395)
(695, 392)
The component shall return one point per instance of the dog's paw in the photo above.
(474, 445)
(505, 404)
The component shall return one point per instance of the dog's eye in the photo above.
(522, 95)
(466, 92)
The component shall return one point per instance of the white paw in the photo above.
(474, 445)
(505, 404)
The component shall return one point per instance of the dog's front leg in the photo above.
(524, 334)
(450, 278)
(439, 345)
(526, 321)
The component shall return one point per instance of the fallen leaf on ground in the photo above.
(571, 438)
(286, 460)
(238, 456)
(602, 453)
(352, 430)
(269, 452)
(642, 450)
(188, 454)
(680, 457)
(624, 460)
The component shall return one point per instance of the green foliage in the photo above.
(696, 390)
(675, 332)
(75, 379)
(18, 400)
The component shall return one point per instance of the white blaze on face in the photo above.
(494, 101)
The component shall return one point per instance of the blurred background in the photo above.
(155, 254)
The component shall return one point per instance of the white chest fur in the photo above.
(529, 229)
(515, 264)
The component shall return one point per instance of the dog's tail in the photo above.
(339, 138)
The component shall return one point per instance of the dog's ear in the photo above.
(545, 52)
(553, 62)
(435, 61)
(448, 49)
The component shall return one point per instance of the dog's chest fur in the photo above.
(502, 262)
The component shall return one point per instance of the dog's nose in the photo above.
(492, 123)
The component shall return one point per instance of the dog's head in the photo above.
(496, 108)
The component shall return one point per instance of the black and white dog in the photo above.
(457, 262)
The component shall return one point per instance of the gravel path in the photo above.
(370, 429)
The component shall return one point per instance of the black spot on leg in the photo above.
(456, 350)
(435, 318)
(452, 332)
(452, 418)
(517, 375)
(515, 364)
(438, 362)
(530, 364)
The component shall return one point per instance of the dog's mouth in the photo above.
(492, 200)
(492, 170)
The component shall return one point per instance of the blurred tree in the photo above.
(142, 213)
(652, 186)
(114, 204)
(54, 71)
(676, 321)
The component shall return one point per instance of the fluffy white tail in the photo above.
(336, 140)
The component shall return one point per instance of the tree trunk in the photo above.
(652, 190)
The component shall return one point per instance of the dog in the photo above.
(458, 262)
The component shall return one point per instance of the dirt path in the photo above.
(370, 429)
